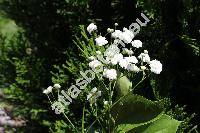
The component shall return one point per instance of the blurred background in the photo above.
(36, 44)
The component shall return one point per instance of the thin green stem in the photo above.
(70, 122)
(110, 101)
(83, 118)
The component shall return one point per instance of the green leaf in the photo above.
(134, 111)
(163, 125)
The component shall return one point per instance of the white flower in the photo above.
(116, 24)
(111, 51)
(127, 61)
(136, 43)
(117, 34)
(46, 91)
(130, 33)
(146, 52)
(133, 67)
(57, 86)
(49, 89)
(91, 58)
(124, 63)
(156, 66)
(111, 54)
(98, 52)
(116, 59)
(94, 63)
(143, 68)
(127, 35)
(110, 74)
(144, 57)
(131, 59)
(100, 41)
(92, 27)
(127, 51)
(105, 103)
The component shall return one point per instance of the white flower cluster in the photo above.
(124, 57)
(50, 88)
(125, 35)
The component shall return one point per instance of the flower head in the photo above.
(131, 59)
(45, 91)
(95, 63)
(155, 66)
(111, 51)
(133, 67)
(127, 35)
(143, 68)
(100, 41)
(146, 52)
(57, 86)
(110, 74)
(105, 103)
(136, 43)
(117, 34)
(50, 88)
(92, 27)
(116, 58)
(124, 63)
(144, 57)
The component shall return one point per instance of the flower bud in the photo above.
(109, 30)
(143, 68)
(105, 103)
(49, 89)
(57, 86)
(98, 52)
(145, 52)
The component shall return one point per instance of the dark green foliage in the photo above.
(49, 28)
(23, 78)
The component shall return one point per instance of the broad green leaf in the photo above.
(127, 127)
(133, 111)
(163, 125)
